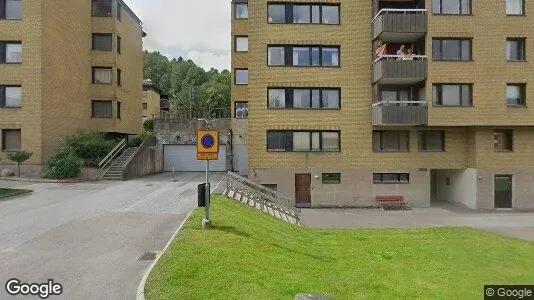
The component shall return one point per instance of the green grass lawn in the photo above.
(4, 193)
(249, 255)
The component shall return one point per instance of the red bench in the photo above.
(390, 200)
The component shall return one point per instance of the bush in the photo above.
(63, 165)
(90, 147)
(138, 139)
(19, 157)
(148, 125)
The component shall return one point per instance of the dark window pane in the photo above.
(102, 8)
(450, 49)
(390, 178)
(331, 178)
(241, 11)
(241, 110)
(102, 109)
(503, 140)
(330, 14)
(404, 178)
(11, 140)
(301, 14)
(102, 42)
(330, 57)
(301, 56)
(279, 141)
(431, 141)
(277, 13)
(377, 178)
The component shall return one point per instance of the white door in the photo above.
(184, 159)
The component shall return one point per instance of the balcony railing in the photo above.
(400, 25)
(400, 113)
(395, 69)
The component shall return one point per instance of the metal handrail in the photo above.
(399, 10)
(398, 102)
(398, 57)
(112, 154)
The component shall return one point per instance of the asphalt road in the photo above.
(89, 236)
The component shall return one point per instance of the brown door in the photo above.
(303, 190)
(503, 191)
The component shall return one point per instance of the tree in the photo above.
(19, 157)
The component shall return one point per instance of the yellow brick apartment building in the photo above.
(350, 100)
(66, 66)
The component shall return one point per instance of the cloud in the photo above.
(197, 30)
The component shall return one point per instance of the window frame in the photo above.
(422, 140)
(440, 94)
(289, 12)
(119, 45)
(235, 109)
(3, 96)
(288, 55)
(326, 180)
(110, 35)
(398, 175)
(523, 9)
(289, 136)
(119, 77)
(380, 147)
(93, 102)
(522, 47)
(119, 110)
(4, 130)
(4, 52)
(511, 137)
(460, 48)
(235, 76)
(235, 43)
(93, 14)
(236, 4)
(449, 14)
(119, 12)
(289, 98)
(523, 92)
(102, 68)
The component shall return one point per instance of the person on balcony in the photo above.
(400, 53)
(408, 55)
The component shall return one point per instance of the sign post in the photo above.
(207, 149)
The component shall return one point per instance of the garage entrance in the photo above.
(184, 159)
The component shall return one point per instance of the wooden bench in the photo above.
(390, 200)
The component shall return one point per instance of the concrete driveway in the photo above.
(516, 224)
(89, 236)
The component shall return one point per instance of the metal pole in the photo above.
(206, 223)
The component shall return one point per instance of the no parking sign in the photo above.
(207, 145)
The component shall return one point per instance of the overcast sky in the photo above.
(197, 30)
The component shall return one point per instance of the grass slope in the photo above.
(4, 193)
(249, 255)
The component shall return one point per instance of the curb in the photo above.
(18, 193)
(48, 180)
(140, 295)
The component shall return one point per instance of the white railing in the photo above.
(112, 154)
(399, 11)
(398, 57)
(399, 102)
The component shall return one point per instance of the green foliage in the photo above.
(19, 157)
(139, 139)
(92, 147)
(177, 76)
(63, 165)
(148, 125)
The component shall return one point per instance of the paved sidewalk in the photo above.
(516, 224)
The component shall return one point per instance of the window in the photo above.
(515, 7)
(241, 10)
(102, 109)
(241, 110)
(394, 178)
(119, 77)
(145, 105)
(10, 96)
(273, 187)
(503, 140)
(102, 42)
(11, 9)
(453, 94)
(303, 141)
(303, 56)
(516, 94)
(515, 49)
(432, 141)
(451, 49)
(451, 7)
(11, 140)
(119, 107)
(102, 75)
(119, 11)
(391, 141)
(303, 14)
(331, 178)
(102, 8)
(119, 46)
(10, 52)
(241, 43)
(241, 76)
(320, 98)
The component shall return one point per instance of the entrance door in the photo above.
(303, 190)
(503, 191)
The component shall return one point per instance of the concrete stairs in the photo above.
(115, 171)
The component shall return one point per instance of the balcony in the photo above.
(389, 69)
(400, 25)
(404, 113)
